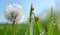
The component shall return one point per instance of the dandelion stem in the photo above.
(13, 30)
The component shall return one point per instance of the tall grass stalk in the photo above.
(52, 24)
(30, 24)
(30, 20)
(6, 29)
(40, 29)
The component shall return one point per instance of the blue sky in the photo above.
(39, 6)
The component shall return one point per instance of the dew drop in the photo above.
(40, 34)
(52, 17)
(54, 24)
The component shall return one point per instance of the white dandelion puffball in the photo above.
(15, 12)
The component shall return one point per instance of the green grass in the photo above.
(6, 29)
(20, 29)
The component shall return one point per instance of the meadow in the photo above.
(33, 26)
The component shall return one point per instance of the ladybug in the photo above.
(32, 9)
(37, 19)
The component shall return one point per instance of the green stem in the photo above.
(13, 30)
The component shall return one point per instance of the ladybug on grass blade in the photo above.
(37, 19)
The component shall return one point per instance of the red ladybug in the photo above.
(32, 9)
(37, 19)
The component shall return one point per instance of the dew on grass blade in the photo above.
(40, 34)
(54, 24)
(52, 17)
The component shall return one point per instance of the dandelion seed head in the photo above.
(15, 9)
